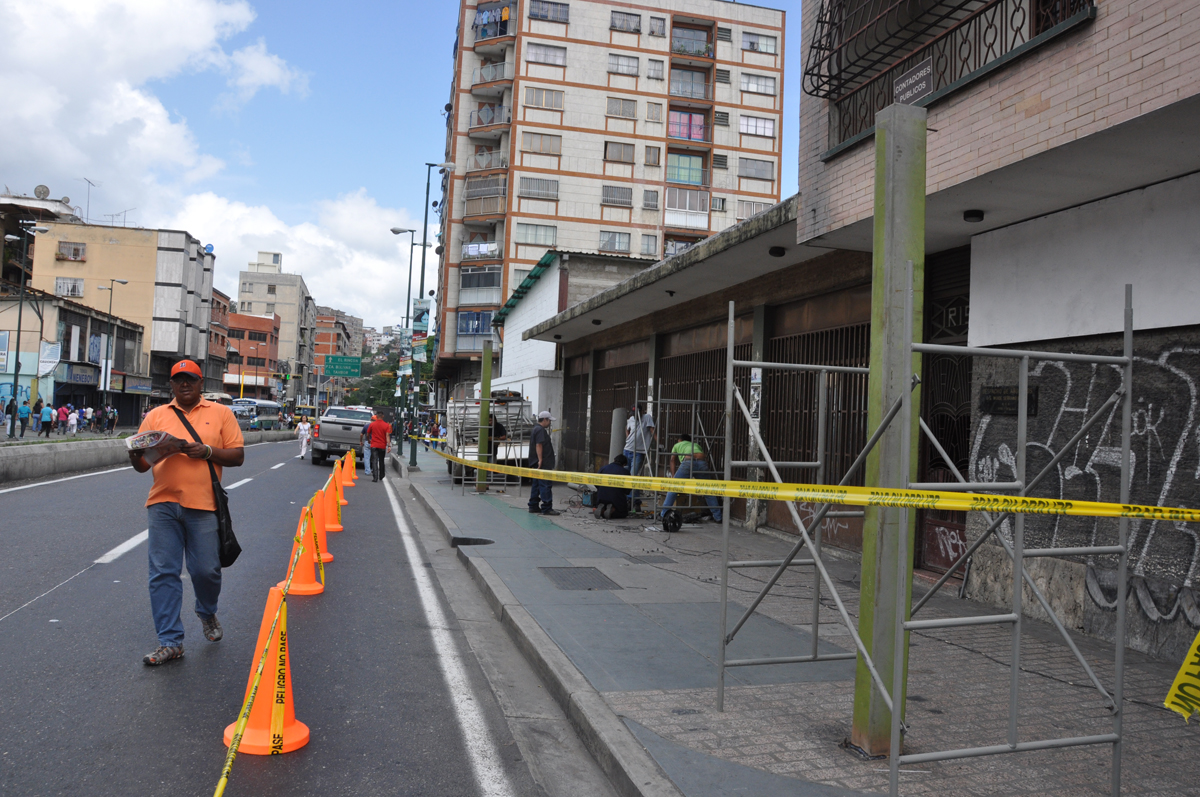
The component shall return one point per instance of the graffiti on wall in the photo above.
(1165, 470)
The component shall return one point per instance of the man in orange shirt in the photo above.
(182, 509)
(379, 433)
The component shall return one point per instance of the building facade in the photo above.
(218, 344)
(631, 131)
(264, 289)
(331, 338)
(254, 356)
(355, 335)
(167, 291)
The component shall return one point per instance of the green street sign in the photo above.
(337, 365)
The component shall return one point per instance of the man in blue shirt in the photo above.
(612, 502)
(23, 415)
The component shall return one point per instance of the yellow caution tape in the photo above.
(278, 707)
(1184, 696)
(852, 496)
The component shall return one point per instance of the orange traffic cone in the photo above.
(333, 512)
(353, 457)
(339, 482)
(272, 727)
(317, 507)
(348, 470)
(304, 581)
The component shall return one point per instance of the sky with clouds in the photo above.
(281, 125)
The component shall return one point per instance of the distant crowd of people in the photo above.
(66, 418)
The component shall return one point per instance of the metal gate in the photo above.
(575, 415)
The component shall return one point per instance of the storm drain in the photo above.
(651, 559)
(578, 578)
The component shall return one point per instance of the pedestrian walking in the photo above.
(47, 420)
(88, 415)
(442, 435)
(541, 456)
(381, 444)
(63, 412)
(10, 418)
(37, 417)
(182, 508)
(73, 422)
(304, 434)
(113, 417)
(23, 415)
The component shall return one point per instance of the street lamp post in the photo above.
(108, 349)
(408, 295)
(29, 231)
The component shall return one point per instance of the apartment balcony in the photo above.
(493, 36)
(689, 132)
(485, 207)
(474, 343)
(482, 250)
(492, 80)
(691, 47)
(479, 296)
(490, 121)
(692, 90)
(700, 178)
(483, 161)
(685, 219)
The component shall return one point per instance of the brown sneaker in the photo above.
(212, 628)
(164, 654)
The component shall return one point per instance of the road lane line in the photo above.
(481, 748)
(277, 467)
(125, 547)
(236, 485)
(64, 479)
(47, 592)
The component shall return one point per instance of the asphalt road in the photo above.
(82, 714)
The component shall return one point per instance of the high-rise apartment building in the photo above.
(354, 329)
(596, 127)
(264, 289)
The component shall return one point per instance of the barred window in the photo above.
(654, 112)
(758, 42)
(537, 234)
(650, 200)
(746, 209)
(620, 107)
(553, 12)
(758, 84)
(614, 241)
(539, 188)
(543, 98)
(68, 286)
(260, 337)
(618, 195)
(492, 185)
(650, 245)
(70, 251)
(542, 143)
(630, 23)
(620, 153)
(623, 64)
(658, 26)
(757, 126)
(653, 156)
(654, 69)
(546, 54)
(756, 169)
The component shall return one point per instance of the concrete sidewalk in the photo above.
(620, 619)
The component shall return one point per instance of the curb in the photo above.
(629, 766)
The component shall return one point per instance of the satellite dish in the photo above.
(208, 248)
(41, 192)
(65, 200)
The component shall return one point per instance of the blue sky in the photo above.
(300, 127)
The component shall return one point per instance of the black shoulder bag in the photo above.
(227, 543)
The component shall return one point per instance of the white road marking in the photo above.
(125, 547)
(277, 467)
(47, 592)
(481, 748)
(65, 479)
(236, 485)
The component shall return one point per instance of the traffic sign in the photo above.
(338, 365)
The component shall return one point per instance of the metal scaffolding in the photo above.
(1015, 550)
(463, 428)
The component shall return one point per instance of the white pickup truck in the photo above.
(462, 430)
(337, 432)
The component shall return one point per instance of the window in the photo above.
(688, 83)
(630, 23)
(675, 247)
(721, 76)
(654, 69)
(543, 98)
(275, 259)
(270, 308)
(620, 196)
(650, 245)
(758, 84)
(256, 361)
(682, 124)
(685, 169)
(718, 204)
(552, 12)
(689, 41)
(494, 185)
(259, 336)
(237, 334)
(614, 241)
(537, 234)
(479, 285)
(620, 153)
(247, 287)
(653, 156)
(623, 64)
(70, 251)
(475, 323)
(687, 199)
(756, 169)
(519, 275)
(758, 42)
(654, 112)
(68, 286)
(539, 188)
(720, 161)
(746, 209)
(271, 289)
(725, 34)
(541, 143)
(721, 118)
(623, 108)
(235, 358)
(757, 126)
(546, 54)
(658, 26)
(650, 200)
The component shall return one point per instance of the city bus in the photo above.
(256, 413)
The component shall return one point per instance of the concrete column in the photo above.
(756, 510)
(900, 132)
(485, 416)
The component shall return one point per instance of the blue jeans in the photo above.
(541, 489)
(686, 469)
(175, 533)
(635, 469)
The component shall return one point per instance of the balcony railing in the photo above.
(686, 175)
(494, 185)
(492, 72)
(487, 160)
(475, 342)
(689, 131)
(475, 296)
(690, 47)
(486, 206)
(495, 28)
(685, 219)
(692, 90)
(490, 115)
(483, 250)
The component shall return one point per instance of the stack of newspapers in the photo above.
(155, 446)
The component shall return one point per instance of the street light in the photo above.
(408, 295)
(109, 347)
(29, 231)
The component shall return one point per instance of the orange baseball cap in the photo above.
(186, 367)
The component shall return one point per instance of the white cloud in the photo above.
(254, 68)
